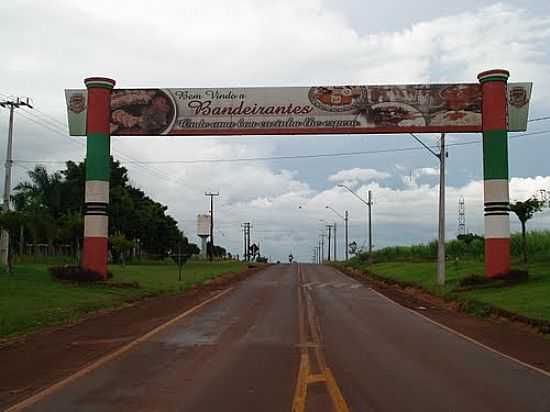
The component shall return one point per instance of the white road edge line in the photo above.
(111, 356)
(467, 338)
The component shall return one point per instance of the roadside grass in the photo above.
(31, 299)
(530, 299)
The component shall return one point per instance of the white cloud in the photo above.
(401, 216)
(358, 174)
(426, 171)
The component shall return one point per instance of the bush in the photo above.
(76, 273)
(473, 280)
(471, 246)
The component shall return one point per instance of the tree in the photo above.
(525, 211)
(121, 245)
(468, 238)
(70, 230)
(54, 202)
(353, 248)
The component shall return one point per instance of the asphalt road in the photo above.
(304, 338)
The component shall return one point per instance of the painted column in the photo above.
(96, 219)
(495, 172)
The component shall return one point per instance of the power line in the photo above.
(57, 130)
(539, 119)
(290, 157)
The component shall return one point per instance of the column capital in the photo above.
(99, 82)
(493, 75)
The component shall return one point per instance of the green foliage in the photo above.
(120, 243)
(473, 280)
(33, 299)
(217, 252)
(76, 273)
(53, 204)
(11, 221)
(538, 243)
(525, 211)
(528, 297)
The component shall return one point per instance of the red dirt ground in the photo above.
(47, 356)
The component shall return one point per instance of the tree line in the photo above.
(48, 210)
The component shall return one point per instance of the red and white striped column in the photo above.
(495, 171)
(96, 219)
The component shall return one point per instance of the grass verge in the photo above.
(529, 300)
(31, 299)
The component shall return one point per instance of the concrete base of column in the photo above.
(94, 255)
(497, 257)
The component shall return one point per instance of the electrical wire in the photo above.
(57, 130)
(312, 156)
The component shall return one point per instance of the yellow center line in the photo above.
(300, 394)
(306, 311)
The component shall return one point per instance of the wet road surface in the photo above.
(304, 338)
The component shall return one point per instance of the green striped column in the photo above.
(495, 172)
(96, 219)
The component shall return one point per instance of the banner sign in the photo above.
(422, 108)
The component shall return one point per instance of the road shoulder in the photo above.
(513, 339)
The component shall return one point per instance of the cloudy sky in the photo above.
(50, 46)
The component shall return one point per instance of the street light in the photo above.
(345, 218)
(369, 208)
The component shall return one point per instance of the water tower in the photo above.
(203, 231)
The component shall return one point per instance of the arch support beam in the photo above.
(495, 171)
(96, 201)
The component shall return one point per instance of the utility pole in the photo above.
(441, 241)
(329, 227)
(322, 247)
(369, 205)
(334, 237)
(246, 240)
(5, 236)
(369, 214)
(346, 219)
(442, 155)
(212, 195)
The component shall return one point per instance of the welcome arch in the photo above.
(491, 106)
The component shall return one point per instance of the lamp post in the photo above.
(345, 218)
(369, 210)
